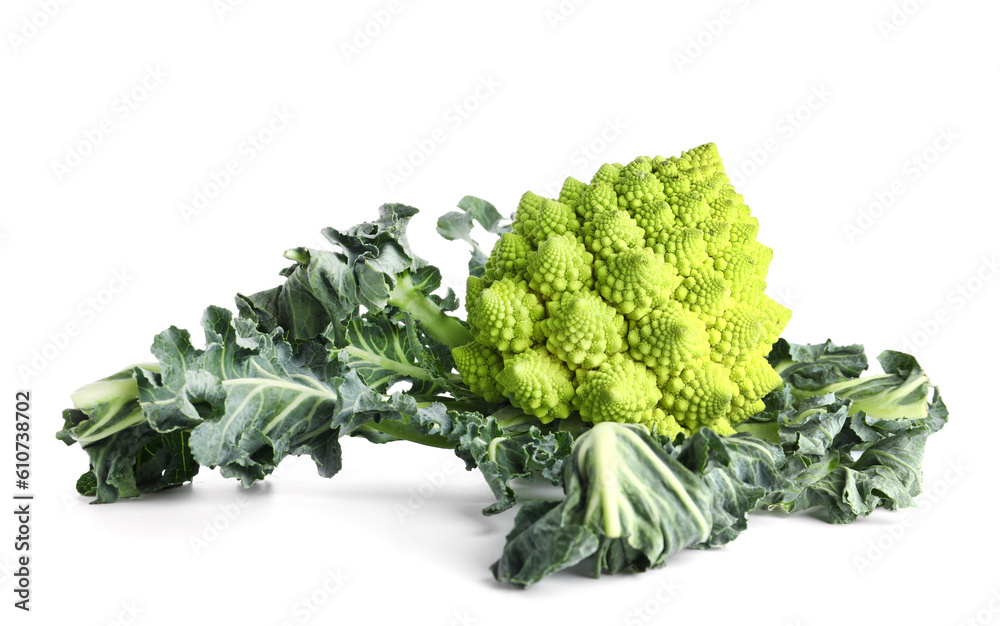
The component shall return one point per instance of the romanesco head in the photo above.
(637, 297)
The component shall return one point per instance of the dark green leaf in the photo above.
(813, 366)
(629, 504)
(542, 543)
(740, 469)
(458, 225)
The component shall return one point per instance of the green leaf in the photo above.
(812, 370)
(937, 414)
(813, 366)
(886, 474)
(503, 456)
(272, 404)
(171, 397)
(103, 407)
(813, 427)
(740, 469)
(458, 225)
(135, 460)
(851, 444)
(305, 363)
(86, 485)
(381, 244)
(127, 456)
(902, 392)
(165, 461)
(629, 503)
(542, 543)
(820, 436)
(319, 289)
(383, 352)
(327, 286)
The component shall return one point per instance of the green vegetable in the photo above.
(302, 366)
(634, 498)
(632, 501)
(647, 285)
(901, 392)
(617, 338)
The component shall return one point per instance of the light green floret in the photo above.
(595, 199)
(743, 331)
(665, 424)
(686, 250)
(711, 188)
(700, 395)
(474, 287)
(527, 213)
(701, 162)
(674, 181)
(583, 330)
(620, 390)
(738, 268)
(505, 316)
(717, 235)
(479, 366)
(657, 222)
(667, 340)
(690, 209)
(608, 173)
(745, 267)
(554, 218)
(560, 264)
(635, 282)
(743, 232)
(754, 378)
(570, 192)
(509, 257)
(753, 292)
(705, 292)
(538, 383)
(612, 232)
(638, 186)
(737, 333)
(729, 206)
(776, 317)
(763, 256)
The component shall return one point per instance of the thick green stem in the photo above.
(884, 396)
(403, 430)
(111, 404)
(439, 325)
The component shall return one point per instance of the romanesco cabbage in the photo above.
(638, 298)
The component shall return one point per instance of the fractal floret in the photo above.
(637, 298)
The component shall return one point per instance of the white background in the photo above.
(573, 86)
